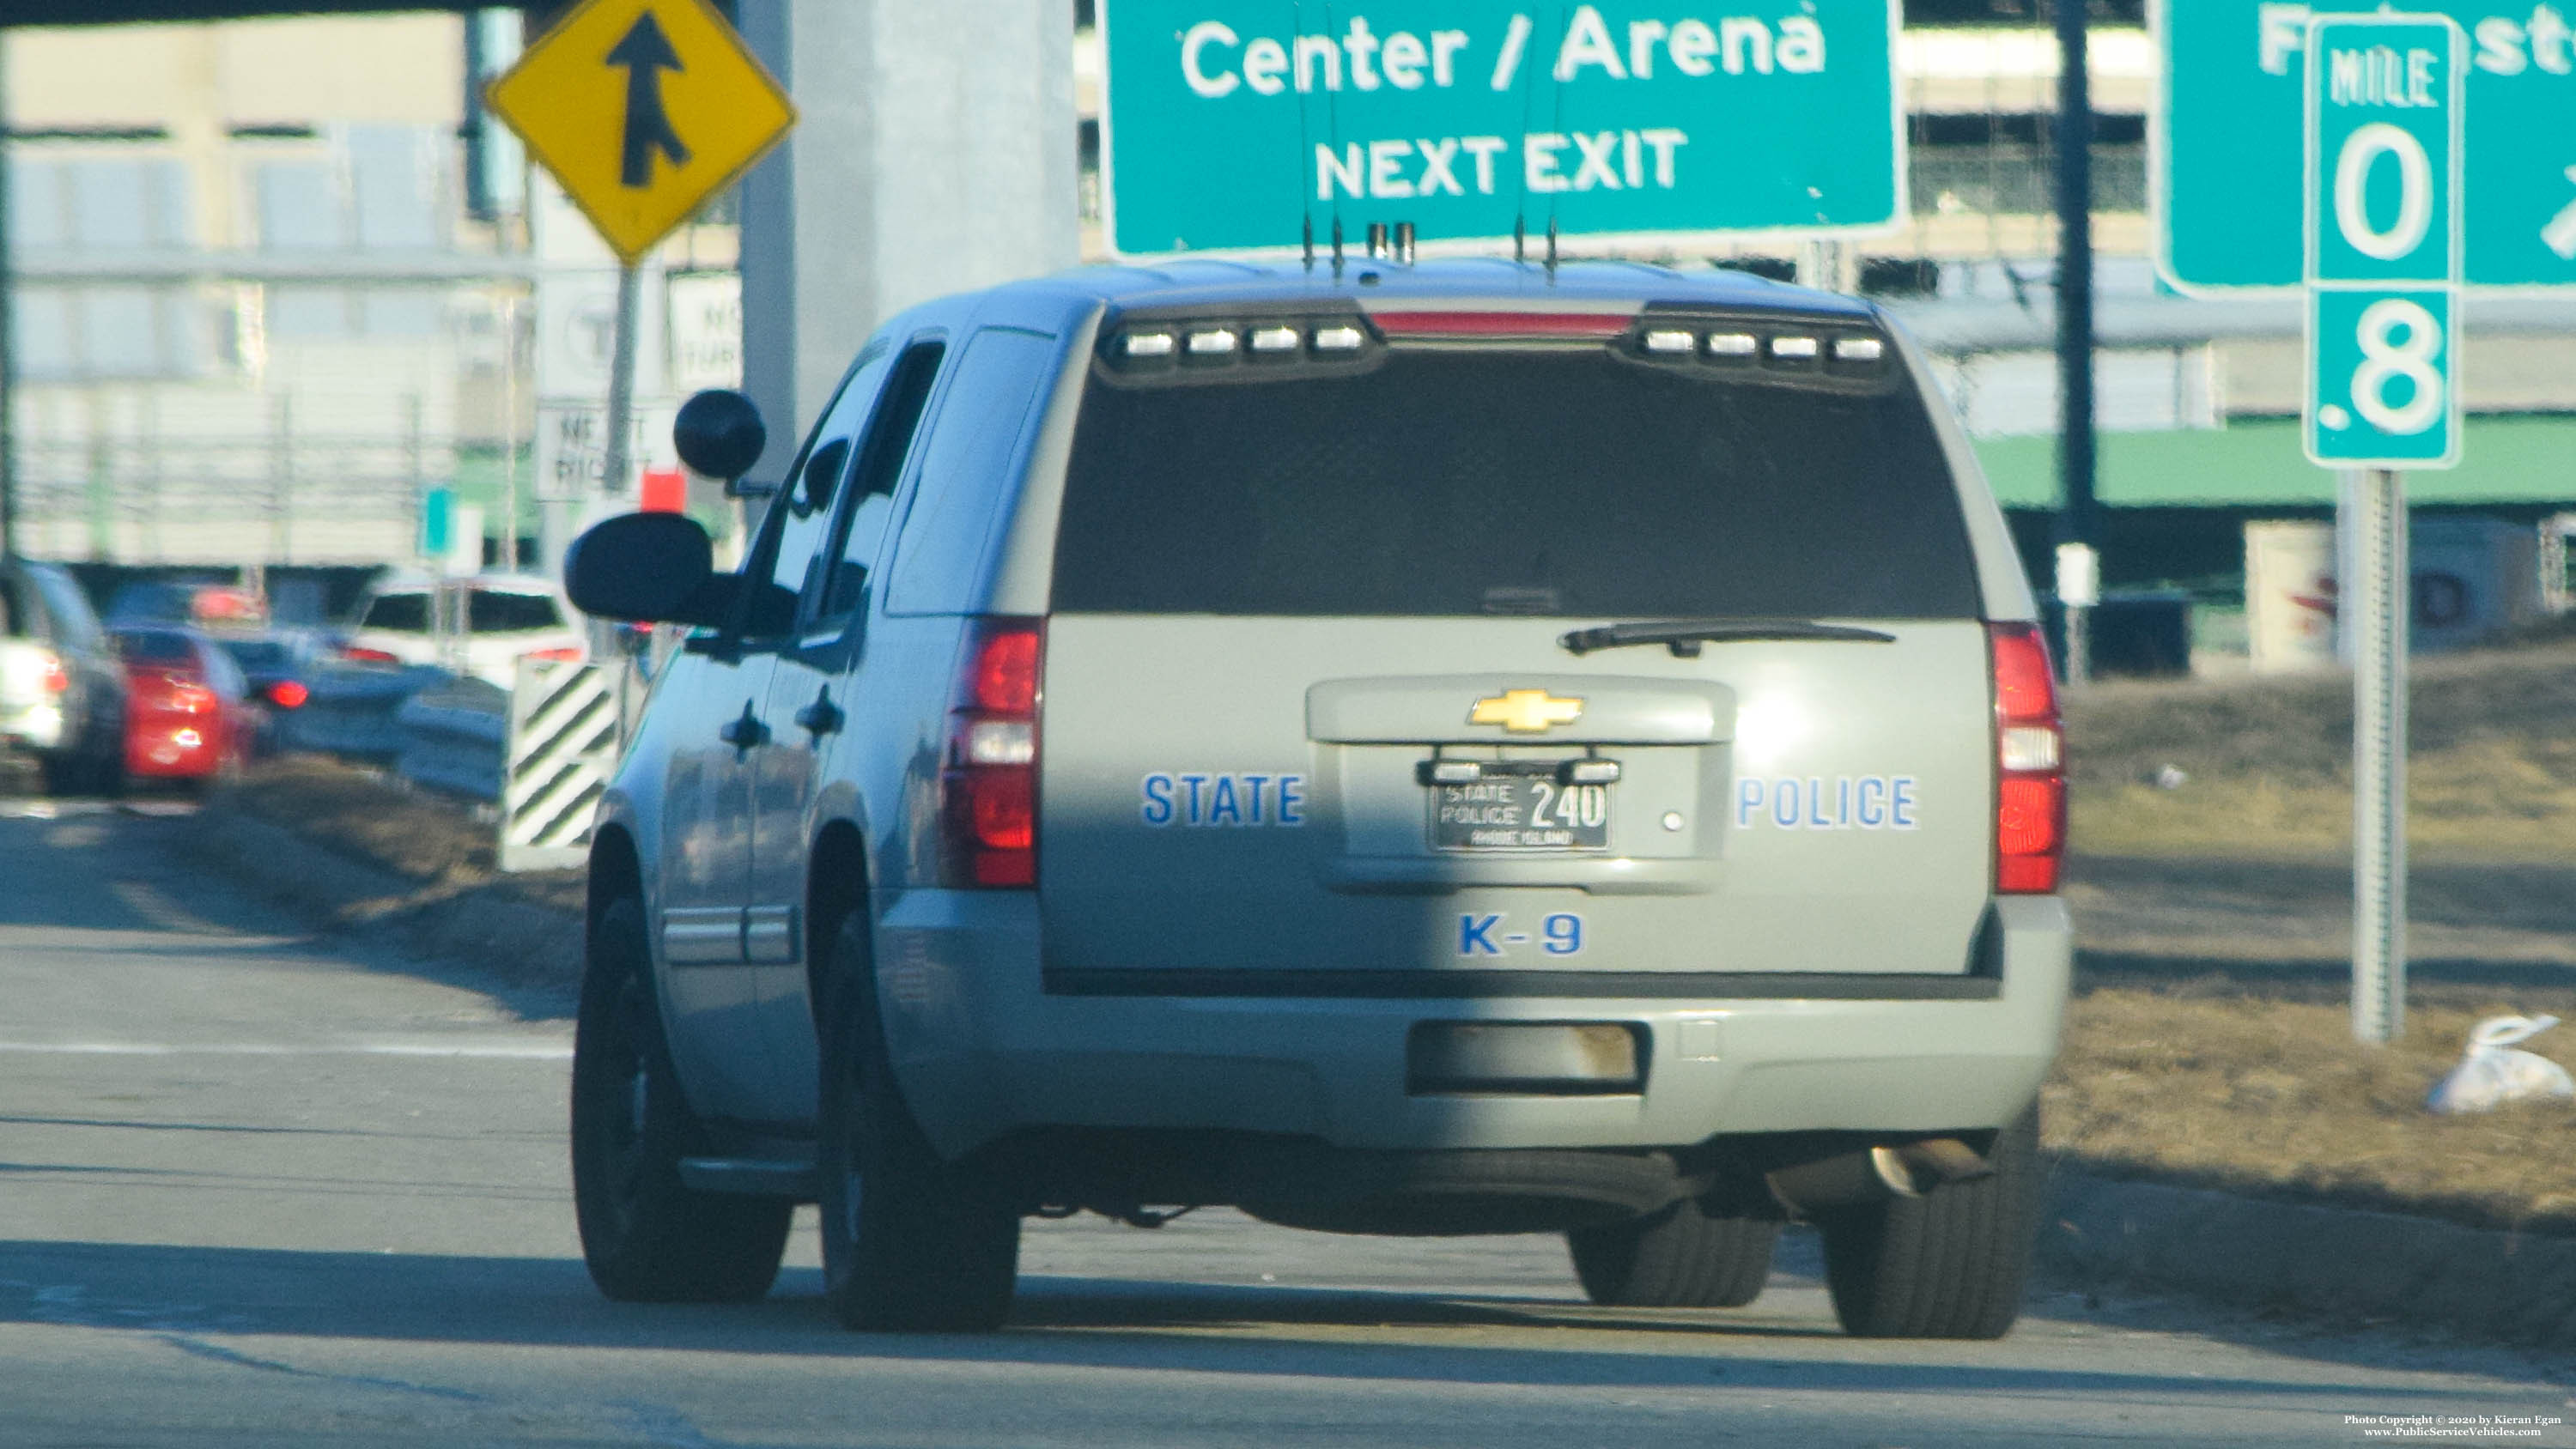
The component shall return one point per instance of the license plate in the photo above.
(1520, 811)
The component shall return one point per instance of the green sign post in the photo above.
(1256, 123)
(2227, 163)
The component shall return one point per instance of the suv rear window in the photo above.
(491, 611)
(400, 613)
(1545, 482)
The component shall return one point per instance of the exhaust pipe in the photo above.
(1876, 1174)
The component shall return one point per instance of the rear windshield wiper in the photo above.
(1684, 636)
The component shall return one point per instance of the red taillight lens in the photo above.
(189, 697)
(1006, 673)
(2030, 763)
(989, 781)
(359, 654)
(56, 681)
(564, 654)
(288, 694)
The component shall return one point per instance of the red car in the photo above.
(188, 714)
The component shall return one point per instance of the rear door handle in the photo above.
(745, 731)
(822, 717)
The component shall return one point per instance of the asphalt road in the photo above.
(261, 1191)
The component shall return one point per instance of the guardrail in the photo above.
(454, 737)
(351, 713)
(543, 756)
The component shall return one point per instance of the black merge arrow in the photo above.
(646, 53)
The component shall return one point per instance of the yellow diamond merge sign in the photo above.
(642, 109)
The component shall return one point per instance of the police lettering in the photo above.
(1845, 802)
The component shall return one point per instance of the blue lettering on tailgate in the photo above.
(1846, 802)
(1221, 800)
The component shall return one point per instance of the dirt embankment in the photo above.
(2211, 1040)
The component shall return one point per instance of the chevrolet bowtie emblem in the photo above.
(1526, 711)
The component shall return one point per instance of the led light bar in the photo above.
(1216, 342)
(1275, 339)
(1671, 343)
(1147, 344)
(1795, 348)
(1733, 344)
(1859, 349)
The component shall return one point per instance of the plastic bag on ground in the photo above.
(2492, 1073)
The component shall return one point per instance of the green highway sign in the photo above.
(1237, 124)
(2227, 162)
(2383, 156)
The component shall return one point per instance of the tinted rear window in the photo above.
(259, 655)
(499, 613)
(401, 613)
(156, 646)
(1575, 483)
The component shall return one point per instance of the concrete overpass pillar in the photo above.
(936, 152)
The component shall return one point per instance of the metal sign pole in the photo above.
(510, 434)
(2380, 606)
(8, 335)
(621, 385)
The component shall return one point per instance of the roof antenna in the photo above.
(1551, 248)
(1520, 238)
(1337, 246)
(1310, 241)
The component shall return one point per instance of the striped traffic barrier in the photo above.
(566, 728)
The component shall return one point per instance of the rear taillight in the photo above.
(565, 654)
(360, 654)
(188, 696)
(988, 784)
(2030, 763)
(289, 694)
(56, 681)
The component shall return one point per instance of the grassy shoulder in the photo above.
(2210, 1044)
(441, 845)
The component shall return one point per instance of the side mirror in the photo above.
(648, 568)
(719, 434)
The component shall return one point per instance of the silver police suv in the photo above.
(1457, 748)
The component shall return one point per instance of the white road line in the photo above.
(484, 1050)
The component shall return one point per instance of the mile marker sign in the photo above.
(2383, 240)
(642, 109)
(1242, 123)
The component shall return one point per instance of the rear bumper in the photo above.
(985, 1048)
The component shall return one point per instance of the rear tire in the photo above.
(1948, 1264)
(646, 1237)
(910, 1243)
(98, 772)
(1701, 1252)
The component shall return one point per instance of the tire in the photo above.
(1948, 1264)
(910, 1243)
(1701, 1252)
(62, 773)
(645, 1236)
